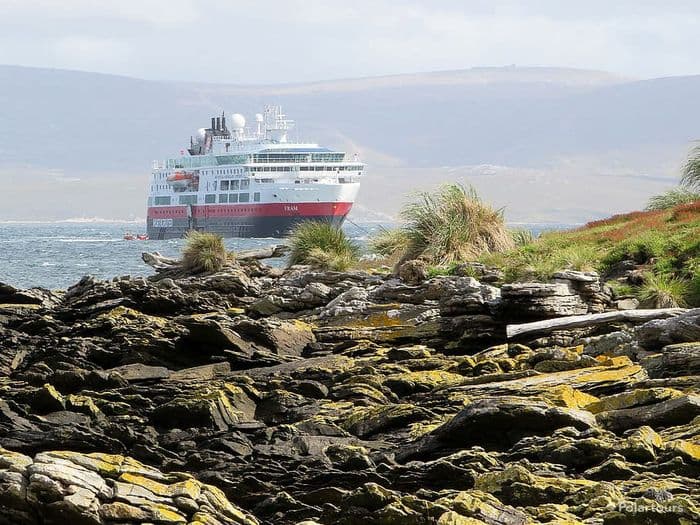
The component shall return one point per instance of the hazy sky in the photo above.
(270, 41)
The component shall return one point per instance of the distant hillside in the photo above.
(552, 144)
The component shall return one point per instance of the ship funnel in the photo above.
(213, 123)
(218, 123)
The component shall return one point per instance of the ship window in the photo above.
(223, 197)
(234, 185)
(245, 184)
(244, 197)
(233, 197)
(256, 196)
(224, 185)
(162, 201)
(188, 199)
(210, 199)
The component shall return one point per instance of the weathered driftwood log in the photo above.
(580, 321)
(268, 252)
(158, 261)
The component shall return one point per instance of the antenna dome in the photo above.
(237, 121)
(259, 117)
(201, 133)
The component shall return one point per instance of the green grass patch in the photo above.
(664, 291)
(203, 252)
(664, 242)
(323, 246)
(448, 225)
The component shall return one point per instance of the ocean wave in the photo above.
(76, 220)
(79, 239)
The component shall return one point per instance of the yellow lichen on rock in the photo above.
(428, 379)
(686, 449)
(452, 518)
(525, 488)
(159, 489)
(633, 398)
(566, 396)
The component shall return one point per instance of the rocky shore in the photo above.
(259, 395)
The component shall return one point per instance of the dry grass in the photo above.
(663, 291)
(203, 252)
(452, 225)
(322, 245)
(672, 198)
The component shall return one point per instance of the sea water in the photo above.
(56, 255)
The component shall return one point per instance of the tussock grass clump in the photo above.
(690, 176)
(389, 242)
(672, 198)
(322, 245)
(203, 252)
(453, 224)
(663, 291)
(522, 236)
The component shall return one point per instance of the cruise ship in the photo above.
(250, 181)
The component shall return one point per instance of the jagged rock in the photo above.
(681, 359)
(367, 422)
(210, 408)
(588, 286)
(499, 422)
(413, 272)
(34, 296)
(341, 397)
(483, 507)
(286, 338)
(630, 303)
(48, 399)
(70, 487)
(684, 328)
(540, 301)
(674, 411)
(517, 486)
(611, 344)
(141, 372)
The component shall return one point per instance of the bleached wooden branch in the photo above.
(580, 321)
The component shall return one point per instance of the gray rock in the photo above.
(140, 372)
(499, 422)
(684, 328)
(674, 411)
(540, 300)
(677, 360)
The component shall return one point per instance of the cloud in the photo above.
(298, 40)
(88, 52)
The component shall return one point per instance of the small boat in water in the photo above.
(128, 236)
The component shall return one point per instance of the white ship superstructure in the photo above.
(243, 182)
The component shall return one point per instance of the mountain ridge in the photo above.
(414, 130)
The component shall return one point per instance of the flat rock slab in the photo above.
(140, 372)
(498, 423)
(201, 373)
(676, 411)
(614, 376)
